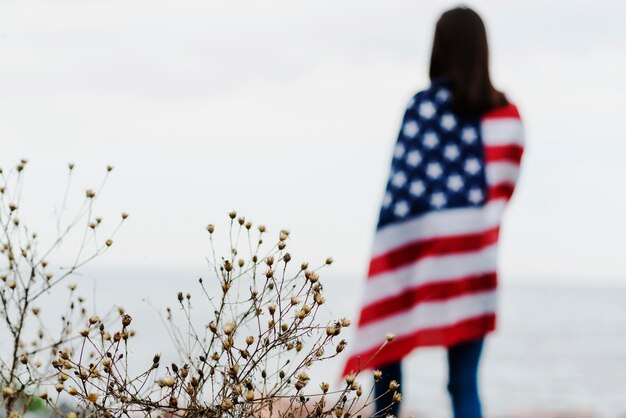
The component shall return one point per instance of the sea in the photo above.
(560, 347)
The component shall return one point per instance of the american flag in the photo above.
(432, 276)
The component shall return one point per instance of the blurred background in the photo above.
(288, 112)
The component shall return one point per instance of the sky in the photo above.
(288, 111)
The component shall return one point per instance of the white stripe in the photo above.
(502, 172)
(425, 316)
(502, 131)
(438, 224)
(430, 270)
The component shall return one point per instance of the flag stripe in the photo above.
(511, 153)
(466, 330)
(508, 111)
(501, 191)
(429, 270)
(438, 224)
(502, 172)
(425, 293)
(418, 250)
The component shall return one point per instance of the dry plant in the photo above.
(30, 283)
(250, 356)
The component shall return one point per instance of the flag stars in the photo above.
(438, 200)
(401, 209)
(475, 196)
(455, 182)
(472, 166)
(427, 109)
(410, 129)
(413, 158)
(398, 179)
(448, 121)
(399, 151)
(431, 140)
(443, 95)
(451, 152)
(469, 135)
(417, 188)
(387, 200)
(434, 170)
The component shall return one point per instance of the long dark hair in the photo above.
(461, 54)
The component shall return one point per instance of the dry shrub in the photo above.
(250, 356)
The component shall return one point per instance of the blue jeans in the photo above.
(463, 361)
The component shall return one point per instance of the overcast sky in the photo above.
(288, 111)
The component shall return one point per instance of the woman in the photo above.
(432, 277)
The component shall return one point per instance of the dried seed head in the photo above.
(261, 228)
(319, 299)
(166, 381)
(35, 310)
(331, 330)
(23, 359)
(389, 337)
(397, 397)
(345, 322)
(377, 375)
(294, 301)
(393, 385)
(232, 214)
(250, 396)
(93, 319)
(228, 266)
(93, 398)
(284, 234)
(350, 378)
(241, 262)
(109, 168)
(213, 327)
(7, 392)
(227, 404)
(210, 228)
(250, 340)
(72, 391)
(109, 242)
(248, 225)
(312, 276)
(241, 220)
(126, 320)
(281, 245)
(70, 166)
(229, 328)
(84, 332)
(271, 309)
(269, 260)
(124, 215)
(324, 386)
(90, 194)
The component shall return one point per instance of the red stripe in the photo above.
(440, 246)
(508, 111)
(397, 349)
(428, 292)
(500, 191)
(511, 153)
